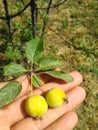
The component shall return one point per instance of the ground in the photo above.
(72, 34)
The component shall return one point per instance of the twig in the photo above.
(69, 43)
(33, 17)
(3, 18)
(7, 18)
(55, 5)
(17, 14)
(44, 22)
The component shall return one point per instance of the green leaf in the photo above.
(9, 92)
(36, 81)
(14, 70)
(61, 75)
(34, 50)
(47, 63)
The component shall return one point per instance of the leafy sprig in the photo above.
(38, 63)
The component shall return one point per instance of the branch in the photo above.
(3, 18)
(33, 17)
(44, 24)
(48, 8)
(14, 15)
(7, 18)
(55, 5)
(70, 44)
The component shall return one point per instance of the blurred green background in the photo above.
(71, 33)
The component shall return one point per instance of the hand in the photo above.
(13, 116)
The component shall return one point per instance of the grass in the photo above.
(73, 35)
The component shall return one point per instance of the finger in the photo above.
(6, 127)
(66, 122)
(53, 114)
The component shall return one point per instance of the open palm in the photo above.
(14, 117)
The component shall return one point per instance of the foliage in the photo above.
(14, 69)
(37, 64)
(34, 50)
(60, 74)
(9, 92)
